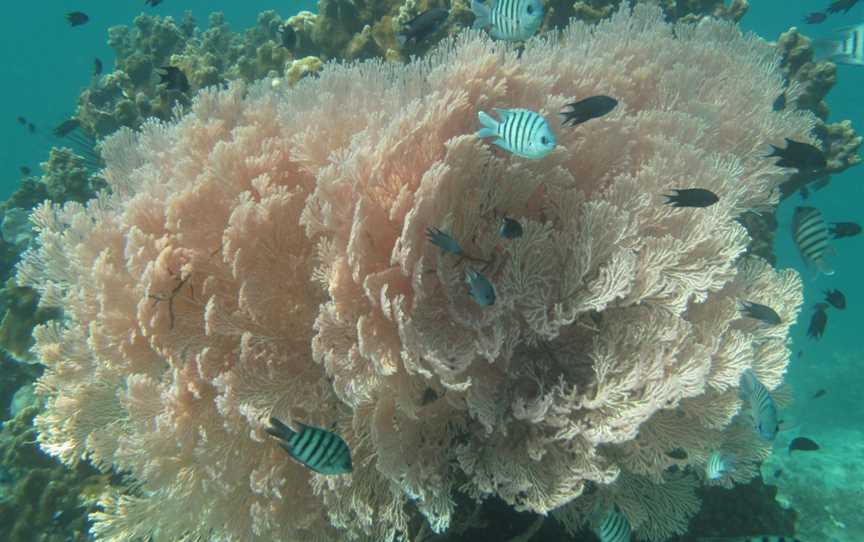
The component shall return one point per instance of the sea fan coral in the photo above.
(190, 292)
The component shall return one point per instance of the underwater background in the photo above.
(47, 64)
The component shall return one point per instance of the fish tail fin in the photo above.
(825, 49)
(490, 125)
(279, 429)
(775, 151)
(482, 15)
(823, 267)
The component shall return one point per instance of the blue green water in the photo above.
(46, 64)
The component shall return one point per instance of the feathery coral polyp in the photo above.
(266, 254)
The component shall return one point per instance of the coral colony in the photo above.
(326, 307)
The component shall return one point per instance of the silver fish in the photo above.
(719, 465)
(511, 20)
(614, 528)
(318, 449)
(763, 410)
(811, 237)
(520, 131)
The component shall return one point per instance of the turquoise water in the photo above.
(47, 63)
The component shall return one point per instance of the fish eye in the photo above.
(544, 140)
(530, 9)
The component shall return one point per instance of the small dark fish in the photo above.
(97, 67)
(815, 18)
(444, 241)
(818, 321)
(805, 192)
(818, 394)
(289, 36)
(778, 473)
(691, 197)
(802, 156)
(31, 127)
(804, 444)
(479, 288)
(800, 353)
(76, 18)
(318, 449)
(844, 229)
(152, 3)
(677, 453)
(811, 237)
(760, 312)
(779, 103)
(510, 228)
(24, 170)
(66, 127)
(836, 298)
(422, 26)
(22, 121)
(587, 109)
(173, 78)
(844, 5)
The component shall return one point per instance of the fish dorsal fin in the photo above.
(845, 30)
(503, 113)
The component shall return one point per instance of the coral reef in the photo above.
(39, 496)
(687, 10)
(264, 254)
(814, 79)
(22, 314)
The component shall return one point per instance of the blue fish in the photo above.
(443, 241)
(480, 288)
(510, 228)
(614, 528)
(318, 449)
(763, 410)
(511, 20)
(520, 131)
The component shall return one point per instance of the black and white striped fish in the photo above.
(848, 49)
(512, 20)
(763, 410)
(614, 528)
(318, 449)
(520, 131)
(719, 465)
(811, 237)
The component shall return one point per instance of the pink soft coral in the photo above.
(190, 293)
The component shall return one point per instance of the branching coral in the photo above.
(193, 305)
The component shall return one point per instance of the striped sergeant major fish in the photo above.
(511, 20)
(811, 237)
(719, 465)
(317, 449)
(763, 410)
(520, 131)
(614, 528)
(757, 538)
(848, 49)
